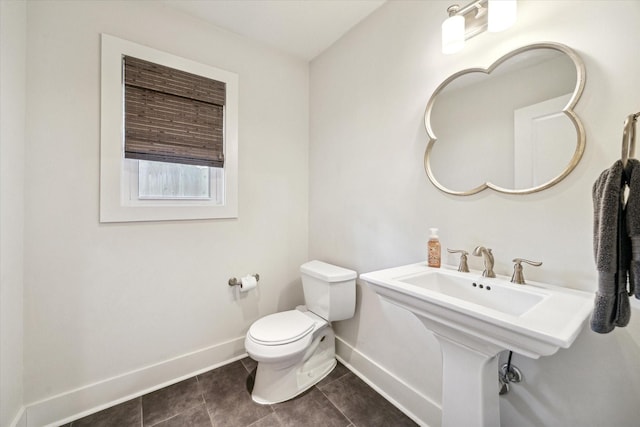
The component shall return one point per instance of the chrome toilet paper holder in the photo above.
(235, 281)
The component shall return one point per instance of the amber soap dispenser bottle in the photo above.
(433, 249)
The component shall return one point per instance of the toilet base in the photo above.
(275, 384)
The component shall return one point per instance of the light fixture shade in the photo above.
(453, 34)
(502, 14)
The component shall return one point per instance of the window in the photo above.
(168, 136)
(173, 181)
(160, 183)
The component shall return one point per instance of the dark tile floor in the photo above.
(220, 398)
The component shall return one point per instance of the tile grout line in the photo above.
(204, 401)
(275, 414)
(334, 380)
(334, 405)
(206, 407)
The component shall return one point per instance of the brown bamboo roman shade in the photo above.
(172, 116)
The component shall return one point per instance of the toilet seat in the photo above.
(281, 328)
(265, 341)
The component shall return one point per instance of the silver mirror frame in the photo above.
(568, 111)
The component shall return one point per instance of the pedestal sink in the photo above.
(475, 318)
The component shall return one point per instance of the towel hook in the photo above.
(629, 138)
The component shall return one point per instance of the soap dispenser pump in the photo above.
(433, 249)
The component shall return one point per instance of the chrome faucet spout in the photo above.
(487, 258)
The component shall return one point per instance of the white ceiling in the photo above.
(303, 28)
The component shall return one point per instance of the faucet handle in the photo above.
(518, 276)
(463, 267)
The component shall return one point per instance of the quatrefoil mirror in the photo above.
(509, 127)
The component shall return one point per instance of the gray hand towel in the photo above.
(633, 225)
(612, 250)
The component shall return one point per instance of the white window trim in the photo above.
(114, 179)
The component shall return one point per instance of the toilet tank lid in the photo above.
(327, 272)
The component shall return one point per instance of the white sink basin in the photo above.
(474, 318)
(489, 293)
(534, 319)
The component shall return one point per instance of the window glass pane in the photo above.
(158, 180)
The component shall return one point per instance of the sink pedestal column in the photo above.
(469, 384)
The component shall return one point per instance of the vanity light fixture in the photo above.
(475, 18)
(453, 31)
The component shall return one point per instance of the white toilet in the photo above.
(295, 349)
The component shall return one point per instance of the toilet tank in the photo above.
(329, 290)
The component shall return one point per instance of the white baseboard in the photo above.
(74, 404)
(412, 402)
(21, 419)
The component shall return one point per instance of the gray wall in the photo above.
(12, 129)
(107, 301)
(371, 204)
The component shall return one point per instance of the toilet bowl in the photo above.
(294, 358)
(295, 349)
